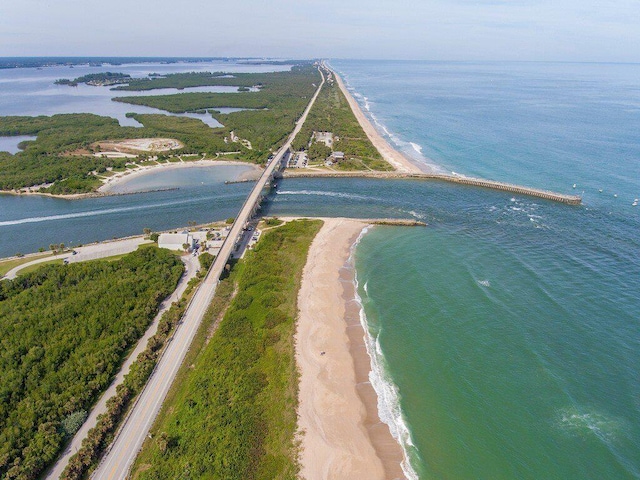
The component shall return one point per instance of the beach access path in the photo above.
(339, 428)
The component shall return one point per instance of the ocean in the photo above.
(506, 333)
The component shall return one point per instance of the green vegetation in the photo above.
(33, 268)
(100, 436)
(62, 154)
(273, 222)
(64, 331)
(48, 158)
(200, 79)
(332, 113)
(103, 78)
(232, 415)
(7, 265)
(281, 100)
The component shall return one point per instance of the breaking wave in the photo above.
(389, 409)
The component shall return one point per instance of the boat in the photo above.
(635, 202)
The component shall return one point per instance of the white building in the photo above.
(337, 156)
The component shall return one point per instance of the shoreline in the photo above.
(123, 177)
(339, 428)
(105, 190)
(399, 161)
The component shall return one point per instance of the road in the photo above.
(90, 252)
(191, 267)
(118, 461)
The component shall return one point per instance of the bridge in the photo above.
(136, 426)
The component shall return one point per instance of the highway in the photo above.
(117, 463)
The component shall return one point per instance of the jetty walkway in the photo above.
(477, 182)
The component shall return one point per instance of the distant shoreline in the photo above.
(400, 162)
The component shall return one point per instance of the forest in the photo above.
(273, 110)
(332, 113)
(64, 332)
(233, 414)
(62, 153)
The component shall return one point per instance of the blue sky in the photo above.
(573, 30)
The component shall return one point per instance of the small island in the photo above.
(103, 79)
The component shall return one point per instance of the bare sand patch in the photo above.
(133, 145)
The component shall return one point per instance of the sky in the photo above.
(538, 30)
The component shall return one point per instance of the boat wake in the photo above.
(323, 194)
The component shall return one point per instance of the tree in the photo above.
(146, 231)
(185, 246)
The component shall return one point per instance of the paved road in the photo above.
(191, 267)
(128, 442)
(90, 252)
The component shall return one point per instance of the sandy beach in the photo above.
(121, 177)
(340, 431)
(391, 155)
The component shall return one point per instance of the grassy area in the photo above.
(64, 331)
(8, 265)
(232, 414)
(62, 153)
(33, 268)
(332, 113)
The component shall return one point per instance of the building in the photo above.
(337, 156)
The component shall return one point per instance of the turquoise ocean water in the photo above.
(508, 331)
(506, 334)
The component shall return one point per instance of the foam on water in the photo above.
(577, 422)
(323, 194)
(389, 409)
(416, 147)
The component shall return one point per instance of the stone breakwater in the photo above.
(477, 182)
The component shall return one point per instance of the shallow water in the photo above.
(10, 144)
(28, 91)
